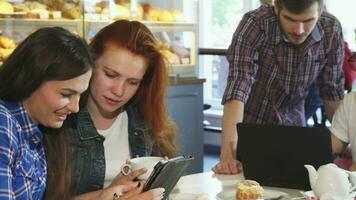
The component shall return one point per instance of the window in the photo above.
(218, 20)
(343, 10)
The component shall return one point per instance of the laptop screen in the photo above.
(275, 155)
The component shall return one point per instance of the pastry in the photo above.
(121, 12)
(55, 14)
(150, 13)
(153, 15)
(5, 53)
(248, 190)
(38, 14)
(166, 16)
(7, 46)
(32, 5)
(70, 11)
(37, 10)
(54, 4)
(6, 8)
(7, 43)
(21, 7)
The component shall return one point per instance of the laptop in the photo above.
(275, 155)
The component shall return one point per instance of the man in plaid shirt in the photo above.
(276, 53)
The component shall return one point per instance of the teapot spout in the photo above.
(312, 175)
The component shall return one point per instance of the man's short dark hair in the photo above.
(298, 6)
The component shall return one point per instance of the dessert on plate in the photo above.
(248, 190)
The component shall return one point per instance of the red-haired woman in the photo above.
(123, 114)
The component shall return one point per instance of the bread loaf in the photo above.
(6, 8)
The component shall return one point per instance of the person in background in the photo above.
(313, 100)
(40, 85)
(312, 103)
(343, 129)
(277, 52)
(349, 67)
(124, 114)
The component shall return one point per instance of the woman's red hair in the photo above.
(149, 98)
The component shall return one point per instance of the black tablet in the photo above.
(166, 174)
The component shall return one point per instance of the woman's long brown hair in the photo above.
(58, 185)
(149, 98)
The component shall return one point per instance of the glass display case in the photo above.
(172, 22)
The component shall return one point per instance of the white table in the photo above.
(209, 185)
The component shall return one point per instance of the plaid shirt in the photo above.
(272, 77)
(22, 158)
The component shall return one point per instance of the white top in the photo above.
(116, 147)
(344, 122)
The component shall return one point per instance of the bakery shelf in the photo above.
(175, 70)
(154, 26)
(178, 37)
(25, 24)
(171, 26)
(39, 22)
(181, 70)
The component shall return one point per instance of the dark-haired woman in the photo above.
(40, 85)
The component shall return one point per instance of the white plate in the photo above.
(181, 196)
(267, 194)
(351, 196)
(186, 196)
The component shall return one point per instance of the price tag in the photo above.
(56, 14)
(185, 61)
(43, 15)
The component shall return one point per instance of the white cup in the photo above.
(141, 162)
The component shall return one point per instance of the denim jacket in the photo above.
(87, 149)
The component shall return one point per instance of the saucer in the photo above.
(267, 195)
(186, 196)
(351, 196)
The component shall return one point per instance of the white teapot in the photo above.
(352, 178)
(329, 182)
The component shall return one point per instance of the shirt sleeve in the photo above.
(332, 77)
(242, 55)
(339, 126)
(7, 144)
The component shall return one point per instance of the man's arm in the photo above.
(233, 114)
(331, 79)
(336, 144)
(330, 108)
(243, 57)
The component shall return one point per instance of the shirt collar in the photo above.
(85, 125)
(315, 35)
